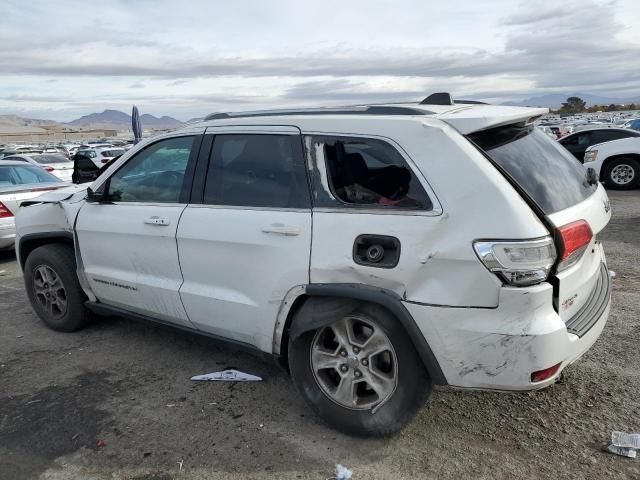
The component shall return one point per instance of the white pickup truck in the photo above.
(617, 162)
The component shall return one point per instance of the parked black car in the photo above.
(578, 142)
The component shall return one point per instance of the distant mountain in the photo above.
(120, 121)
(16, 121)
(554, 100)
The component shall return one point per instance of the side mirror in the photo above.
(592, 176)
(97, 197)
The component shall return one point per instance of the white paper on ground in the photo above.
(624, 451)
(628, 440)
(343, 473)
(227, 376)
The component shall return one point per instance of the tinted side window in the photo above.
(570, 139)
(363, 172)
(257, 171)
(616, 135)
(585, 138)
(156, 174)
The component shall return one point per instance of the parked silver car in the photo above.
(58, 165)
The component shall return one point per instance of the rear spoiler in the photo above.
(483, 117)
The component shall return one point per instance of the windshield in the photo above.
(551, 177)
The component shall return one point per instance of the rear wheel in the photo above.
(361, 374)
(622, 174)
(53, 288)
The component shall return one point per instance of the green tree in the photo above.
(572, 105)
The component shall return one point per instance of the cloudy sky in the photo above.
(65, 58)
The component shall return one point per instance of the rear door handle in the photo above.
(281, 229)
(161, 222)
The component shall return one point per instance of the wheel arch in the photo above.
(608, 160)
(28, 243)
(344, 297)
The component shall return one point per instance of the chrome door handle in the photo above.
(281, 229)
(161, 222)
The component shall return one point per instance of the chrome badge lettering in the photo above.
(569, 301)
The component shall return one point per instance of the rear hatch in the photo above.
(557, 188)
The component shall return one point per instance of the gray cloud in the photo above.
(576, 46)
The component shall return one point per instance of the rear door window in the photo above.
(363, 172)
(257, 170)
(547, 173)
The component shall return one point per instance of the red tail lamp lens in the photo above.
(4, 211)
(49, 169)
(545, 374)
(574, 236)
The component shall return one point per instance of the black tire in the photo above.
(609, 170)
(411, 391)
(61, 260)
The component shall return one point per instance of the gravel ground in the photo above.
(127, 385)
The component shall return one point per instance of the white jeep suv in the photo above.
(617, 162)
(374, 251)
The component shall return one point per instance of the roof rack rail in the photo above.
(471, 102)
(364, 110)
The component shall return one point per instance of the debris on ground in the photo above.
(624, 444)
(612, 274)
(628, 440)
(3, 272)
(101, 443)
(342, 473)
(227, 376)
(623, 451)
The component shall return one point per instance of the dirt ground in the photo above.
(127, 385)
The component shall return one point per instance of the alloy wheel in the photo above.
(49, 291)
(354, 363)
(623, 174)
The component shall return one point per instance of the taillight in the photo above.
(105, 160)
(518, 262)
(4, 211)
(48, 168)
(575, 237)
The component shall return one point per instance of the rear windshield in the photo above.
(47, 159)
(112, 153)
(12, 175)
(551, 177)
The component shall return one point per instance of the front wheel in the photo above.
(361, 374)
(53, 288)
(622, 174)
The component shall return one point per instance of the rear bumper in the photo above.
(499, 348)
(7, 232)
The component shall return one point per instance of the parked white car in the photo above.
(20, 181)
(617, 162)
(100, 155)
(374, 251)
(58, 165)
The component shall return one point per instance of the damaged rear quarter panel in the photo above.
(437, 264)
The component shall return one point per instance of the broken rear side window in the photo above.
(363, 172)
